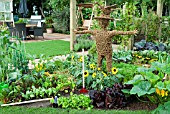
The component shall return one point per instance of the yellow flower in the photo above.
(104, 74)
(155, 59)
(72, 57)
(39, 67)
(166, 93)
(47, 73)
(98, 69)
(139, 57)
(147, 58)
(158, 91)
(86, 73)
(151, 60)
(94, 75)
(92, 66)
(81, 59)
(162, 93)
(114, 70)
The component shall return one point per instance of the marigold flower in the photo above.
(94, 75)
(114, 70)
(162, 93)
(86, 73)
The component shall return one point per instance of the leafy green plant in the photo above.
(21, 21)
(126, 70)
(162, 108)
(83, 42)
(49, 22)
(122, 56)
(61, 18)
(75, 101)
(12, 55)
(93, 50)
(2, 96)
(149, 84)
(95, 78)
(149, 56)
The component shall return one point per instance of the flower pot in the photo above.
(49, 30)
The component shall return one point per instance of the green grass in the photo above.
(48, 48)
(23, 110)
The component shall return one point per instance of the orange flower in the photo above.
(47, 73)
(162, 93)
(158, 91)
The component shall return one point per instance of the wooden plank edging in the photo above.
(26, 102)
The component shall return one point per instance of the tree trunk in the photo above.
(159, 7)
(72, 23)
(159, 13)
(144, 9)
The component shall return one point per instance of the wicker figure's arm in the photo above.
(84, 32)
(115, 32)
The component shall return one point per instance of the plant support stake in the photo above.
(83, 90)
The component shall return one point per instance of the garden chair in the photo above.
(86, 23)
(21, 30)
(12, 30)
(38, 31)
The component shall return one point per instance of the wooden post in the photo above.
(72, 23)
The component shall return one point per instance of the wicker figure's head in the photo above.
(103, 24)
(103, 21)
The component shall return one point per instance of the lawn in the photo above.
(22, 110)
(48, 48)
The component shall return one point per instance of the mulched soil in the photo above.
(134, 104)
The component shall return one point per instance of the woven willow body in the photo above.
(104, 38)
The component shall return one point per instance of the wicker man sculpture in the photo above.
(104, 38)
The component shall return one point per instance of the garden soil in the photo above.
(131, 106)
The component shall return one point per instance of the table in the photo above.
(30, 25)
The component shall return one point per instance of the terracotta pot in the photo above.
(49, 30)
